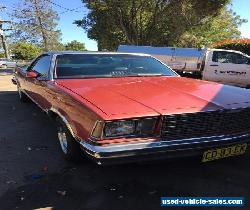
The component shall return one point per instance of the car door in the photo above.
(37, 88)
(243, 70)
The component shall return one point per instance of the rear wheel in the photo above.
(69, 146)
(22, 96)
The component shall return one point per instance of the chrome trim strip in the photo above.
(125, 150)
(174, 71)
(212, 110)
(52, 68)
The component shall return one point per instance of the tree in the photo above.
(35, 21)
(213, 30)
(75, 46)
(2, 55)
(146, 22)
(25, 51)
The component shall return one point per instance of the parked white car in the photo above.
(218, 65)
(7, 63)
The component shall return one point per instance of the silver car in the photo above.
(7, 63)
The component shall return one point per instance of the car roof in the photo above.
(235, 51)
(93, 53)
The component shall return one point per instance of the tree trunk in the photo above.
(44, 35)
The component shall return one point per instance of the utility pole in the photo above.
(5, 46)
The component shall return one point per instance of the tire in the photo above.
(69, 146)
(22, 96)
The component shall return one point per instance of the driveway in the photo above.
(33, 173)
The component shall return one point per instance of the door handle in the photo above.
(214, 65)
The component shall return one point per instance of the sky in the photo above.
(242, 7)
(72, 32)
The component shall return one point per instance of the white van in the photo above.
(224, 66)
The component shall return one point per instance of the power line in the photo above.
(72, 10)
(62, 7)
(58, 5)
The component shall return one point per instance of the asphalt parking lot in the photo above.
(34, 175)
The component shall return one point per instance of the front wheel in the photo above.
(69, 146)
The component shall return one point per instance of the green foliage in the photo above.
(75, 46)
(242, 45)
(57, 46)
(2, 55)
(152, 22)
(214, 29)
(35, 21)
(25, 51)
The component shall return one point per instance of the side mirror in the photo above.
(32, 74)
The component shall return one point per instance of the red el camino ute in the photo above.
(117, 107)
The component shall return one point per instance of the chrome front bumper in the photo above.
(158, 149)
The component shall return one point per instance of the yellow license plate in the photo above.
(220, 153)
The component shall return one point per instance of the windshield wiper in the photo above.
(84, 76)
(108, 76)
(147, 75)
(138, 75)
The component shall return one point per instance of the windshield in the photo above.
(108, 65)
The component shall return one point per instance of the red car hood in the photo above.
(149, 96)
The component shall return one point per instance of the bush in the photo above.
(2, 55)
(25, 51)
(242, 45)
(75, 46)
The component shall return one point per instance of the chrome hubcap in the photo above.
(62, 139)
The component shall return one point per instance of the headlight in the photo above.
(140, 127)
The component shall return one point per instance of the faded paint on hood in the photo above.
(149, 96)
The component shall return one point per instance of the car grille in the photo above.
(204, 124)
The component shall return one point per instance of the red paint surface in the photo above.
(149, 96)
(84, 101)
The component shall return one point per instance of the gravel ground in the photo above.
(34, 175)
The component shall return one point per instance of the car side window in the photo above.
(229, 57)
(224, 57)
(42, 66)
(241, 59)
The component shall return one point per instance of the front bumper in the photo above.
(152, 150)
